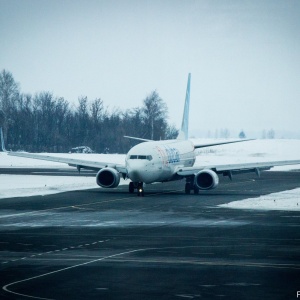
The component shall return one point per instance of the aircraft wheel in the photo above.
(131, 187)
(187, 188)
(196, 190)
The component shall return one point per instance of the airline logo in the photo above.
(169, 155)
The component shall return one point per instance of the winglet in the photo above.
(2, 141)
(184, 131)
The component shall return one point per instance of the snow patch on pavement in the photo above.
(286, 200)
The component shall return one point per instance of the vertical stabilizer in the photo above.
(2, 141)
(184, 131)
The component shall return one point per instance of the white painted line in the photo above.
(5, 288)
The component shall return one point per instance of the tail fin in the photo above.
(184, 131)
(2, 141)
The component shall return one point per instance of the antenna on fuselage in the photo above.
(184, 131)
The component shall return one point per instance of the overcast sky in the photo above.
(244, 56)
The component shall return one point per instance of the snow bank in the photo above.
(287, 200)
(30, 185)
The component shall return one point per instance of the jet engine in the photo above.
(206, 180)
(108, 178)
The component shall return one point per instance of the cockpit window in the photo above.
(149, 157)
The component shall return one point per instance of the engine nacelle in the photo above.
(206, 180)
(108, 178)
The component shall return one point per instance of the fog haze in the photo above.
(244, 56)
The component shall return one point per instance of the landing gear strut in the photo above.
(187, 188)
(190, 186)
(136, 185)
(131, 187)
(140, 189)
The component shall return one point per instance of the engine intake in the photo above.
(108, 178)
(206, 180)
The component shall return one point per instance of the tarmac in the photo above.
(109, 244)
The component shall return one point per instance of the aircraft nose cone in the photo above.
(135, 176)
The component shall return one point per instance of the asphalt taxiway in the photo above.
(108, 244)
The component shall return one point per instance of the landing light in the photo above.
(140, 190)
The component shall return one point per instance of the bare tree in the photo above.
(155, 114)
(47, 123)
(9, 93)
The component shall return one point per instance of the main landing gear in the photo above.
(189, 186)
(138, 186)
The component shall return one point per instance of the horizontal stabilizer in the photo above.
(138, 139)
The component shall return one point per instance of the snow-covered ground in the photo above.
(251, 151)
(30, 185)
(286, 200)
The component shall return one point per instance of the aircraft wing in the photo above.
(197, 146)
(78, 163)
(236, 168)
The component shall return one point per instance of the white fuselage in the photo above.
(159, 161)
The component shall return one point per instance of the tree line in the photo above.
(44, 122)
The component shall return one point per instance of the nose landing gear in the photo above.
(140, 189)
(136, 185)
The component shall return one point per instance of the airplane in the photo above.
(162, 161)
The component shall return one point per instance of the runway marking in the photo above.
(206, 263)
(57, 250)
(5, 288)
